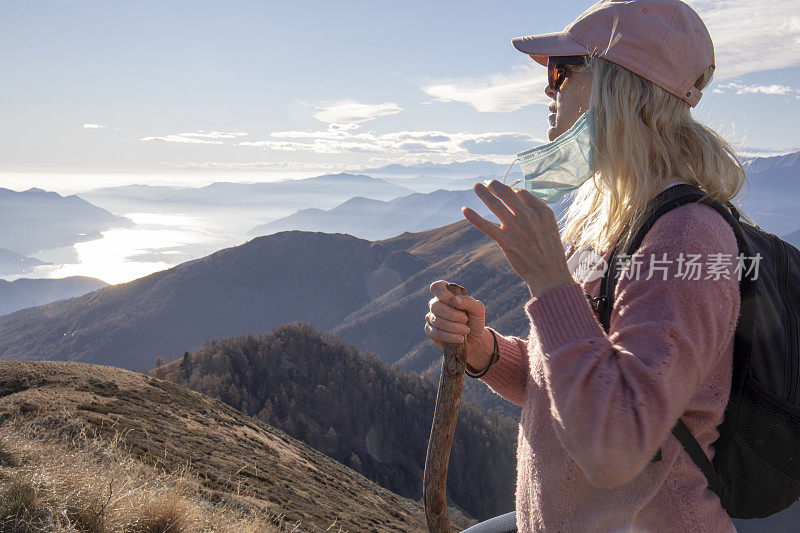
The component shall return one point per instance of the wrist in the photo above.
(486, 353)
(489, 356)
(536, 290)
(488, 345)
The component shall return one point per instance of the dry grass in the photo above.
(216, 457)
(89, 484)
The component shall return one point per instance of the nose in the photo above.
(549, 91)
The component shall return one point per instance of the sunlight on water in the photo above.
(158, 241)
(110, 258)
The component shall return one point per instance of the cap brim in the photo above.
(540, 47)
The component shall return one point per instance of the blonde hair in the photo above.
(645, 136)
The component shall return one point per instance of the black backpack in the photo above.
(756, 466)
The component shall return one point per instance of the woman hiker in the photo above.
(597, 407)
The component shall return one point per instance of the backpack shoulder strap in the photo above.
(666, 201)
(699, 457)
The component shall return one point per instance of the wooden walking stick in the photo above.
(448, 399)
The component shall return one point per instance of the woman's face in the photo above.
(570, 101)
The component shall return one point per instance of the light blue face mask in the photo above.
(553, 169)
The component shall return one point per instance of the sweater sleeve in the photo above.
(615, 398)
(508, 377)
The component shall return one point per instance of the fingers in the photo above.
(451, 307)
(439, 344)
(536, 206)
(450, 326)
(506, 194)
(445, 322)
(531, 200)
(493, 202)
(490, 229)
(437, 334)
(439, 289)
(469, 305)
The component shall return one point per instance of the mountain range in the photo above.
(278, 198)
(371, 293)
(773, 193)
(376, 219)
(341, 283)
(793, 238)
(774, 183)
(35, 220)
(449, 170)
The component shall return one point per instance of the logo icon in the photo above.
(587, 265)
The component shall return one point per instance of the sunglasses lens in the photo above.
(555, 76)
(557, 70)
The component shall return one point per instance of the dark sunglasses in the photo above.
(557, 68)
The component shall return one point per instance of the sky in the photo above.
(106, 92)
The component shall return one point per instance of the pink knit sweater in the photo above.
(596, 407)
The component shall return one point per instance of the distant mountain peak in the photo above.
(342, 175)
(37, 190)
(755, 164)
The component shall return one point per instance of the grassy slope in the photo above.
(235, 457)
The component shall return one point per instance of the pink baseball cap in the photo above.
(663, 41)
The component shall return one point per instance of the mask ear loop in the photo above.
(508, 170)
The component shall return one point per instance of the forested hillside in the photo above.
(356, 409)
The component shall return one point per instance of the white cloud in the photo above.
(334, 132)
(93, 127)
(180, 138)
(389, 159)
(740, 88)
(345, 126)
(319, 146)
(498, 93)
(198, 137)
(345, 112)
(254, 165)
(751, 35)
(499, 143)
(350, 138)
(400, 143)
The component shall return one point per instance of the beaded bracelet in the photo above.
(495, 358)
